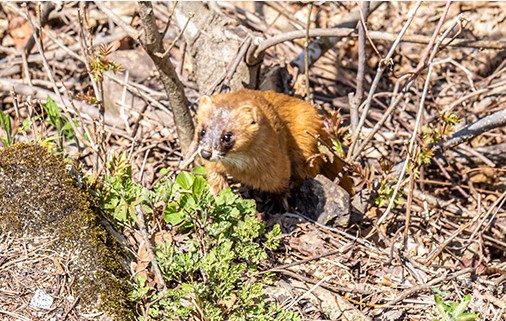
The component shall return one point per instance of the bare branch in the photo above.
(152, 43)
(496, 120)
(376, 35)
(320, 46)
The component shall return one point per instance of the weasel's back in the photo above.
(301, 118)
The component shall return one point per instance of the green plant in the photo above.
(5, 123)
(59, 121)
(119, 194)
(454, 311)
(385, 193)
(424, 152)
(211, 271)
(100, 62)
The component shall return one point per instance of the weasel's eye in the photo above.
(202, 132)
(227, 138)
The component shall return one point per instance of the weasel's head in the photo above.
(225, 127)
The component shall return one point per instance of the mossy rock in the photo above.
(39, 196)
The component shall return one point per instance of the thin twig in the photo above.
(410, 148)
(190, 16)
(379, 124)
(381, 68)
(134, 34)
(357, 98)
(448, 177)
(227, 75)
(306, 53)
(147, 244)
(152, 43)
(49, 72)
(48, 8)
(413, 289)
(99, 148)
(422, 63)
(243, 49)
(495, 120)
(376, 35)
(320, 46)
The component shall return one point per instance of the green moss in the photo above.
(38, 196)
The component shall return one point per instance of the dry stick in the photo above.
(72, 306)
(100, 133)
(357, 98)
(134, 34)
(375, 35)
(385, 116)
(225, 77)
(314, 287)
(42, 94)
(396, 101)
(493, 240)
(440, 249)
(48, 7)
(409, 203)
(452, 181)
(153, 45)
(381, 68)
(496, 120)
(300, 262)
(493, 121)
(320, 46)
(412, 290)
(169, 19)
(147, 243)
(243, 49)
(15, 315)
(138, 90)
(190, 16)
(332, 288)
(360, 241)
(306, 54)
(422, 63)
(410, 148)
(497, 205)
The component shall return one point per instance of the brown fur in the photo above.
(269, 145)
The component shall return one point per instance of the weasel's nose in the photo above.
(205, 154)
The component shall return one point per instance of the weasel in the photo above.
(260, 138)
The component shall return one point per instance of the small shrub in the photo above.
(211, 270)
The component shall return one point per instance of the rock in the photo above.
(39, 198)
(324, 201)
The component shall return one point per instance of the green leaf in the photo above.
(199, 171)
(468, 316)
(174, 218)
(185, 180)
(5, 123)
(25, 125)
(199, 186)
(441, 306)
(462, 306)
(53, 112)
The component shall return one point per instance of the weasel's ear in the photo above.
(205, 104)
(249, 112)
